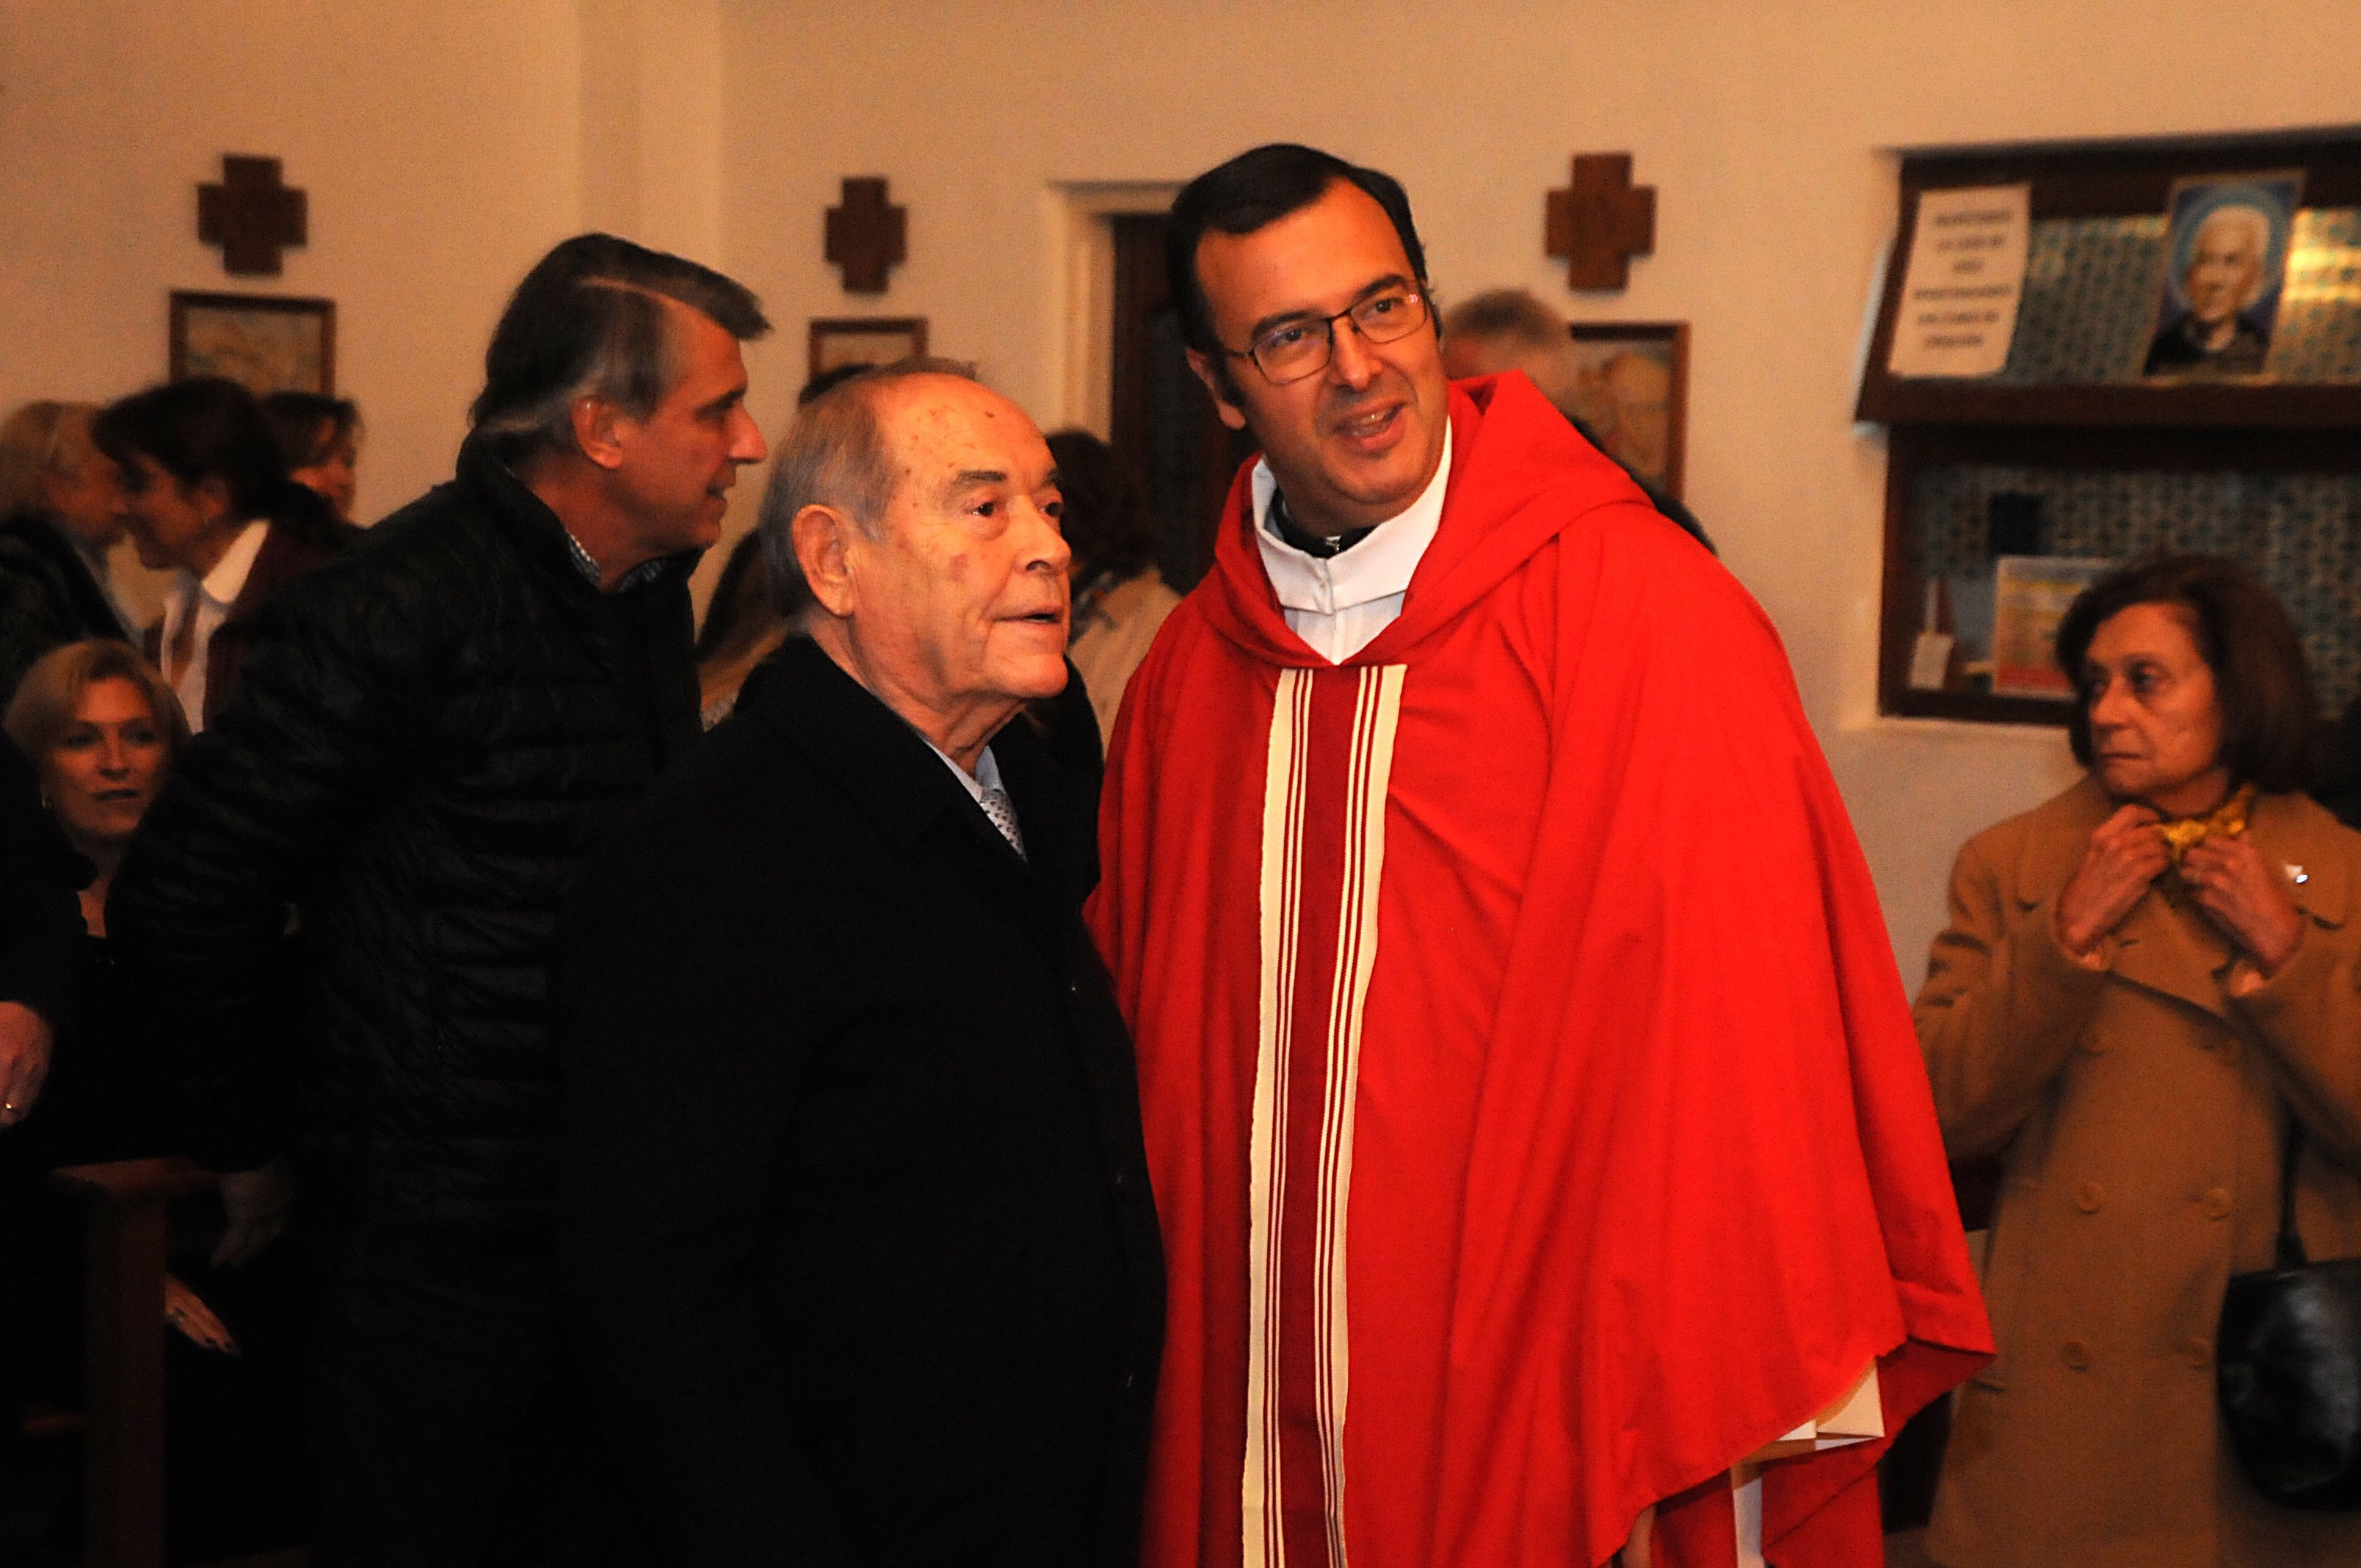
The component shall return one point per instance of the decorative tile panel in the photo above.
(2300, 534)
(2089, 307)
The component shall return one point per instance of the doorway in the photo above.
(1160, 419)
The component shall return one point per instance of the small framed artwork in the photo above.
(266, 342)
(2225, 269)
(866, 340)
(1635, 394)
(2030, 596)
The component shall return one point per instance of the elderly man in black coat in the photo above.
(429, 735)
(857, 1228)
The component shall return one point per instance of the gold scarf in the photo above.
(2227, 821)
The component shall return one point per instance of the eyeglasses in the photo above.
(1295, 349)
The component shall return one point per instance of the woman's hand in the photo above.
(257, 1203)
(2127, 853)
(23, 1060)
(2247, 898)
(186, 1311)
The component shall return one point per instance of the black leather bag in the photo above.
(2287, 1370)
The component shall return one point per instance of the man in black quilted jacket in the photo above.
(428, 738)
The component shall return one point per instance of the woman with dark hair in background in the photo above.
(58, 520)
(2143, 1003)
(320, 441)
(206, 491)
(1120, 599)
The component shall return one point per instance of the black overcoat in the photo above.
(855, 1225)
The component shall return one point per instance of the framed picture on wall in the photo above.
(866, 340)
(1635, 394)
(266, 342)
(2225, 268)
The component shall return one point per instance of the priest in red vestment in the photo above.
(1540, 1138)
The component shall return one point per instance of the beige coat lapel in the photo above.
(2298, 837)
(2165, 944)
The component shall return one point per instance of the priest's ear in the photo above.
(1215, 374)
(823, 537)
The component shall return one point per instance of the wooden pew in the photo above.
(126, 1216)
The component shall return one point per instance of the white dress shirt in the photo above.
(985, 781)
(1338, 605)
(208, 598)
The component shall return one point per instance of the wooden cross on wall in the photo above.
(250, 214)
(1601, 220)
(866, 235)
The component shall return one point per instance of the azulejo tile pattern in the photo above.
(2089, 307)
(2319, 333)
(2300, 532)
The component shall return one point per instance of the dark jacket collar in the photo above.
(42, 538)
(535, 531)
(890, 771)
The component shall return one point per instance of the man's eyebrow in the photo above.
(975, 478)
(1282, 318)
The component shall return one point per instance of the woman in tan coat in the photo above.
(2144, 984)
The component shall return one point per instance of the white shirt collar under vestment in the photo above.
(1339, 604)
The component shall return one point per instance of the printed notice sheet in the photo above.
(1967, 273)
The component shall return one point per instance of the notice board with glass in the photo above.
(2085, 353)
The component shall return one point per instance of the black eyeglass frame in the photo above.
(1327, 325)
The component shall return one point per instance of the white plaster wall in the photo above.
(445, 142)
(1762, 123)
(444, 145)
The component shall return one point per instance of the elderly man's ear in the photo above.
(821, 534)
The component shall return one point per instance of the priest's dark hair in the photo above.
(2262, 682)
(208, 428)
(1254, 190)
(589, 321)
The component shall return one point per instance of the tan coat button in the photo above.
(2230, 1050)
(2076, 1354)
(2094, 1042)
(2088, 1197)
(2217, 1203)
(2198, 1353)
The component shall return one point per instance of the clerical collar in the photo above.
(1379, 569)
(1282, 523)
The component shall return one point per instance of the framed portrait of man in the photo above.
(1635, 392)
(2224, 271)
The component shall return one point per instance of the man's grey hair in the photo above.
(1534, 334)
(834, 454)
(1516, 315)
(592, 320)
(2245, 215)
